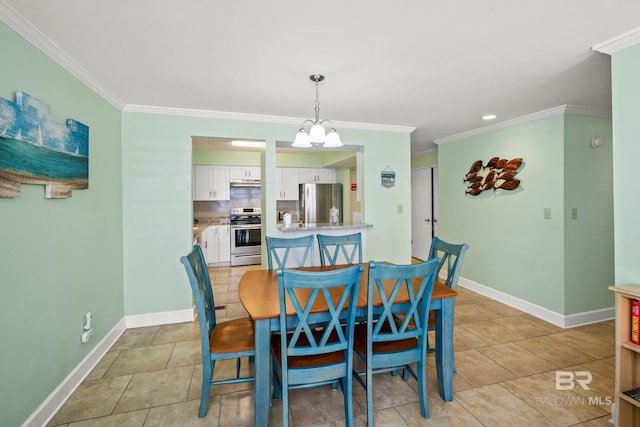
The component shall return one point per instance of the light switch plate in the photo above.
(546, 213)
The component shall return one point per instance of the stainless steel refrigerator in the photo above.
(316, 201)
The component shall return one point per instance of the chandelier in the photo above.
(317, 133)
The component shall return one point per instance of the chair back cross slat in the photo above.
(451, 256)
(346, 249)
(280, 250)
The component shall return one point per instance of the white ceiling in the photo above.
(437, 66)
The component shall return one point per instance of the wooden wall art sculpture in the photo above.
(496, 174)
(35, 149)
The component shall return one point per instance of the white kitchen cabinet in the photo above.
(287, 184)
(210, 182)
(216, 241)
(224, 243)
(240, 173)
(316, 176)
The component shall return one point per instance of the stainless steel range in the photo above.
(246, 236)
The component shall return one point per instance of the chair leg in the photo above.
(277, 385)
(207, 371)
(347, 387)
(369, 397)
(405, 374)
(285, 405)
(422, 389)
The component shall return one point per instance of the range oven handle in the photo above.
(245, 226)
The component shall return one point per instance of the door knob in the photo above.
(428, 220)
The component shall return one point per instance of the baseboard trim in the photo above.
(560, 320)
(59, 396)
(162, 318)
(56, 399)
(589, 317)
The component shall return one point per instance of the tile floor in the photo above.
(506, 362)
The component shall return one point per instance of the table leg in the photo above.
(263, 372)
(444, 349)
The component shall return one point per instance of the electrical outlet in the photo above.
(574, 213)
(399, 209)
(546, 213)
(87, 329)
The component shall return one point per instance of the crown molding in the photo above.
(150, 109)
(618, 43)
(24, 28)
(563, 109)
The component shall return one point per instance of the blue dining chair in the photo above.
(305, 356)
(451, 255)
(279, 249)
(395, 334)
(346, 249)
(232, 339)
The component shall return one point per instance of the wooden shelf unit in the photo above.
(627, 409)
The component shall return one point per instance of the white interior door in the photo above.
(421, 217)
(434, 199)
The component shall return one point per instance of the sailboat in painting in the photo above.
(37, 150)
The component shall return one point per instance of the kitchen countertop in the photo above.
(323, 226)
(202, 224)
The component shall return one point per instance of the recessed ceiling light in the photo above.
(489, 117)
(252, 144)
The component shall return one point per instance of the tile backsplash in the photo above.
(241, 197)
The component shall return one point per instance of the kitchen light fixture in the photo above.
(317, 134)
(489, 117)
(251, 144)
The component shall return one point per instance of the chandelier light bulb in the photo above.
(302, 140)
(316, 134)
(333, 139)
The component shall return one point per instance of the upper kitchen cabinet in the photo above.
(210, 183)
(244, 173)
(316, 176)
(287, 183)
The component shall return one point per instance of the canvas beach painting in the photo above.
(34, 149)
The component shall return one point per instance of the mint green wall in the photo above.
(157, 198)
(425, 160)
(58, 258)
(588, 185)
(625, 67)
(512, 248)
(560, 264)
(390, 237)
(218, 157)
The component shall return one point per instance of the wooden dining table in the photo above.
(258, 292)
